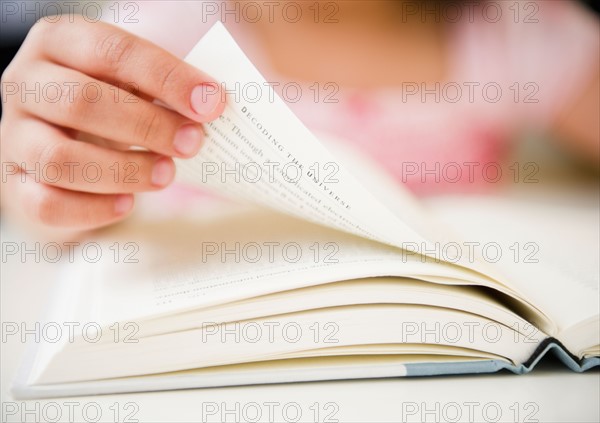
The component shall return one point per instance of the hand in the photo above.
(70, 119)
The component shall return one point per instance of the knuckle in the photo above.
(55, 154)
(13, 78)
(8, 75)
(146, 125)
(40, 29)
(44, 206)
(166, 75)
(43, 29)
(9, 87)
(72, 101)
(115, 49)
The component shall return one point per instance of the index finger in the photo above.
(109, 53)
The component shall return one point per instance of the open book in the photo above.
(322, 269)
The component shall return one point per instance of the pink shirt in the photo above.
(512, 75)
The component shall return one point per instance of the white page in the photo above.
(335, 199)
(356, 326)
(176, 269)
(558, 247)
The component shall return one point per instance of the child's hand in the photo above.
(69, 119)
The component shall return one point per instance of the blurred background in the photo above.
(14, 28)
(553, 162)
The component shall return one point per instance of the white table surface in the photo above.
(549, 394)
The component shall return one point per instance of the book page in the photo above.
(388, 290)
(550, 251)
(258, 150)
(363, 327)
(204, 257)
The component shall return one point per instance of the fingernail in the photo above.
(188, 140)
(162, 172)
(123, 203)
(205, 99)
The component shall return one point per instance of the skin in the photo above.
(64, 126)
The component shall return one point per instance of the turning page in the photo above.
(258, 150)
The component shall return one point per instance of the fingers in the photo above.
(51, 157)
(74, 100)
(60, 180)
(56, 207)
(109, 53)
